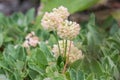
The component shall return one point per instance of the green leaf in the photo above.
(76, 65)
(9, 57)
(46, 51)
(20, 53)
(19, 65)
(60, 60)
(4, 66)
(76, 74)
(90, 77)
(3, 77)
(92, 20)
(73, 74)
(96, 67)
(17, 54)
(50, 70)
(108, 22)
(30, 15)
(1, 17)
(1, 39)
(114, 28)
(116, 73)
(39, 77)
(33, 74)
(72, 5)
(37, 61)
(111, 62)
(80, 75)
(93, 36)
(17, 75)
(41, 57)
(67, 75)
(60, 77)
(43, 34)
(52, 40)
(36, 68)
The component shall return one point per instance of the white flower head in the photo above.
(26, 44)
(51, 21)
(30, 35)
(31, 40)
(62, 12)
(68, 30)
(74, 53)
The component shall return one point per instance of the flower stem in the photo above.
(65, 48)
(67, 59)
(69, 48)
(56, 37)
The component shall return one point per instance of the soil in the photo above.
(8, 7)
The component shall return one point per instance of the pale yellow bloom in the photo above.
(52, 20)
(30, 35)
(31, 40)
(74, 53)
(68, 30)
(26, 44)
(62, 12)
(77, 54)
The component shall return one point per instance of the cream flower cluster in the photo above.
(52, 20)
(68, 30)
(31, 40)
(74, 53)
(62, 12)
(62, 44)
(57, 21)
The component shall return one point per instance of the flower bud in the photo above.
(31, 40)
(68, 30)
(62, 12)
(52, 20)
(73, 52)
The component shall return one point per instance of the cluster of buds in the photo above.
(57, 21)
(52, 20)
(73, 52)
(68, 30)
(31, 40)
(62, 12)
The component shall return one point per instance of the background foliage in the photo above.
(99, 43)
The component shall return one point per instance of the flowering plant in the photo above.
(64, 31)
(59, 50)
(67, 31)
